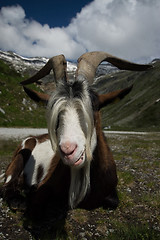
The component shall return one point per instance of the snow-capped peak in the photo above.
(21, 63)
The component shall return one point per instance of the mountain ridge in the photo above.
(20, 63)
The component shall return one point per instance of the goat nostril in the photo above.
(68, 148)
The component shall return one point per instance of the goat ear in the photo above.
(105, 99)
(37, 96)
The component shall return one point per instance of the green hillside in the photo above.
(139, 110)
(16, 110)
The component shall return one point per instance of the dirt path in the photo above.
(15, 133)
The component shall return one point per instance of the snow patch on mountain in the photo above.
(21, 63)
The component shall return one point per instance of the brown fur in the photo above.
(103, 171)
(20, 157)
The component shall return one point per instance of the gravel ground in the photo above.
(18, 133)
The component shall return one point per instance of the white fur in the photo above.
(24, 141)
(42, 155)
(80, 183)
(8, 179)
(80, 179)
(93, 140)
(71, 131)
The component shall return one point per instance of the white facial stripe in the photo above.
(41, 155)
(71, 126)
(70, 131)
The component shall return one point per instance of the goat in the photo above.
(73, 162)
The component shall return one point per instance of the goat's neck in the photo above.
(102, 153)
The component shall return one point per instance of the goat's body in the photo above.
(44, 172)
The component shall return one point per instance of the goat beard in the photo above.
(80, 184)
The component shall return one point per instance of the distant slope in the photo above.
(15, 107)
(140, 109)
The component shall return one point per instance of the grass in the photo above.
(7, 147)
(139, 109)
(133, 232)
(18, 109)
(151, 199)
(127, 177)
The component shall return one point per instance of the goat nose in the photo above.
(68, 148)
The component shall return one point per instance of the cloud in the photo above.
(30, 38)
(125, 28)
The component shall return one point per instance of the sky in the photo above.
(128, 29)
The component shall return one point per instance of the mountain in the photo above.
(22, 64)
(139, 110)
(29, 66)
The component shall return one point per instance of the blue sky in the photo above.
(55, 13)
(125, 28)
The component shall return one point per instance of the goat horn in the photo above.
(88, 63)
(57, 64)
